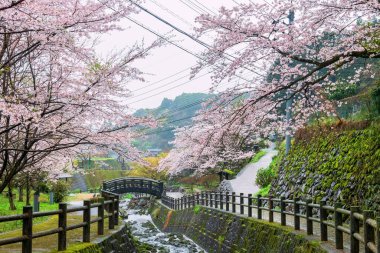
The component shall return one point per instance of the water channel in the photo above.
(145, 231)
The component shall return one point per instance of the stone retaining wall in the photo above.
(218, 231)
(120, 241)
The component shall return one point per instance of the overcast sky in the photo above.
(168, 60)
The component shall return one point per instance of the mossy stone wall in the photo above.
(218, 231)
(121, 241)
(338, 166)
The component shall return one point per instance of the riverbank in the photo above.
(219, 231)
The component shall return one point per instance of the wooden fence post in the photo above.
(241, 203)
(259, 205)
(368, 230)
(296, 213)
(101, 217)
(87, 220)
(221, 200)
(211, 202)
(27, 229)
(354, 228)
(338, 222)
(282, 209)
(309, 213)
(270, 207)
(111, 220)
(323, 217)
(227, 201)
(117, 210)
(206, 197)
(249, 205)
(233, 202)
(62, 223)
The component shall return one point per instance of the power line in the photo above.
(200, 7)
(163, 79)
(144, 93)
(158, 93)
(189, 117)
(190, 7)
(189, 35)
(172, 13)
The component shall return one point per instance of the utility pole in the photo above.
(289, 101)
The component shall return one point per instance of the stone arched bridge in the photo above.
(134, 185)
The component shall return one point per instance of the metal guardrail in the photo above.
(229, 201)
(108, 202)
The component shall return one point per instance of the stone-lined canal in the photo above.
(146, 232)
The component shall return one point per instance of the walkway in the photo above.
(245, 180)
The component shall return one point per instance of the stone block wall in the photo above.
(218, 231)
(121, 241)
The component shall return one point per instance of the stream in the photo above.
(145, 231)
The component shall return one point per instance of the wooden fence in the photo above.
(109, 202)
(350, 222)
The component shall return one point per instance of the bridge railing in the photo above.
(134, 184)
(361, 228)
(109, 202)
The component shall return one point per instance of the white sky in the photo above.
(168, 60)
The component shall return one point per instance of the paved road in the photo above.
(245, 180)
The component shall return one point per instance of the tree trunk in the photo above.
(20, 194)
(11, 199)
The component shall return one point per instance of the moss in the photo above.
(230, 172)
(156, 212)
(341, 165)
(217, 231)
(81, 248)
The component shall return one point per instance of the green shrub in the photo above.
(60, 190)
(264, 177)
(197, 209)
(264, 192)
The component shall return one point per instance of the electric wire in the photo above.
(190, 36)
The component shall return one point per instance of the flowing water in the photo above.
(145, 231)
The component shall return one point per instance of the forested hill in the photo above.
(171, 114)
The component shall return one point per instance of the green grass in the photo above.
(95, 178)
(49, 243)
(258, 156)
(11, 225)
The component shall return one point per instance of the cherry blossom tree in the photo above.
(290, 51)
(56, 94)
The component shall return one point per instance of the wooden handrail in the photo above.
(28, 216)
(301, 209)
